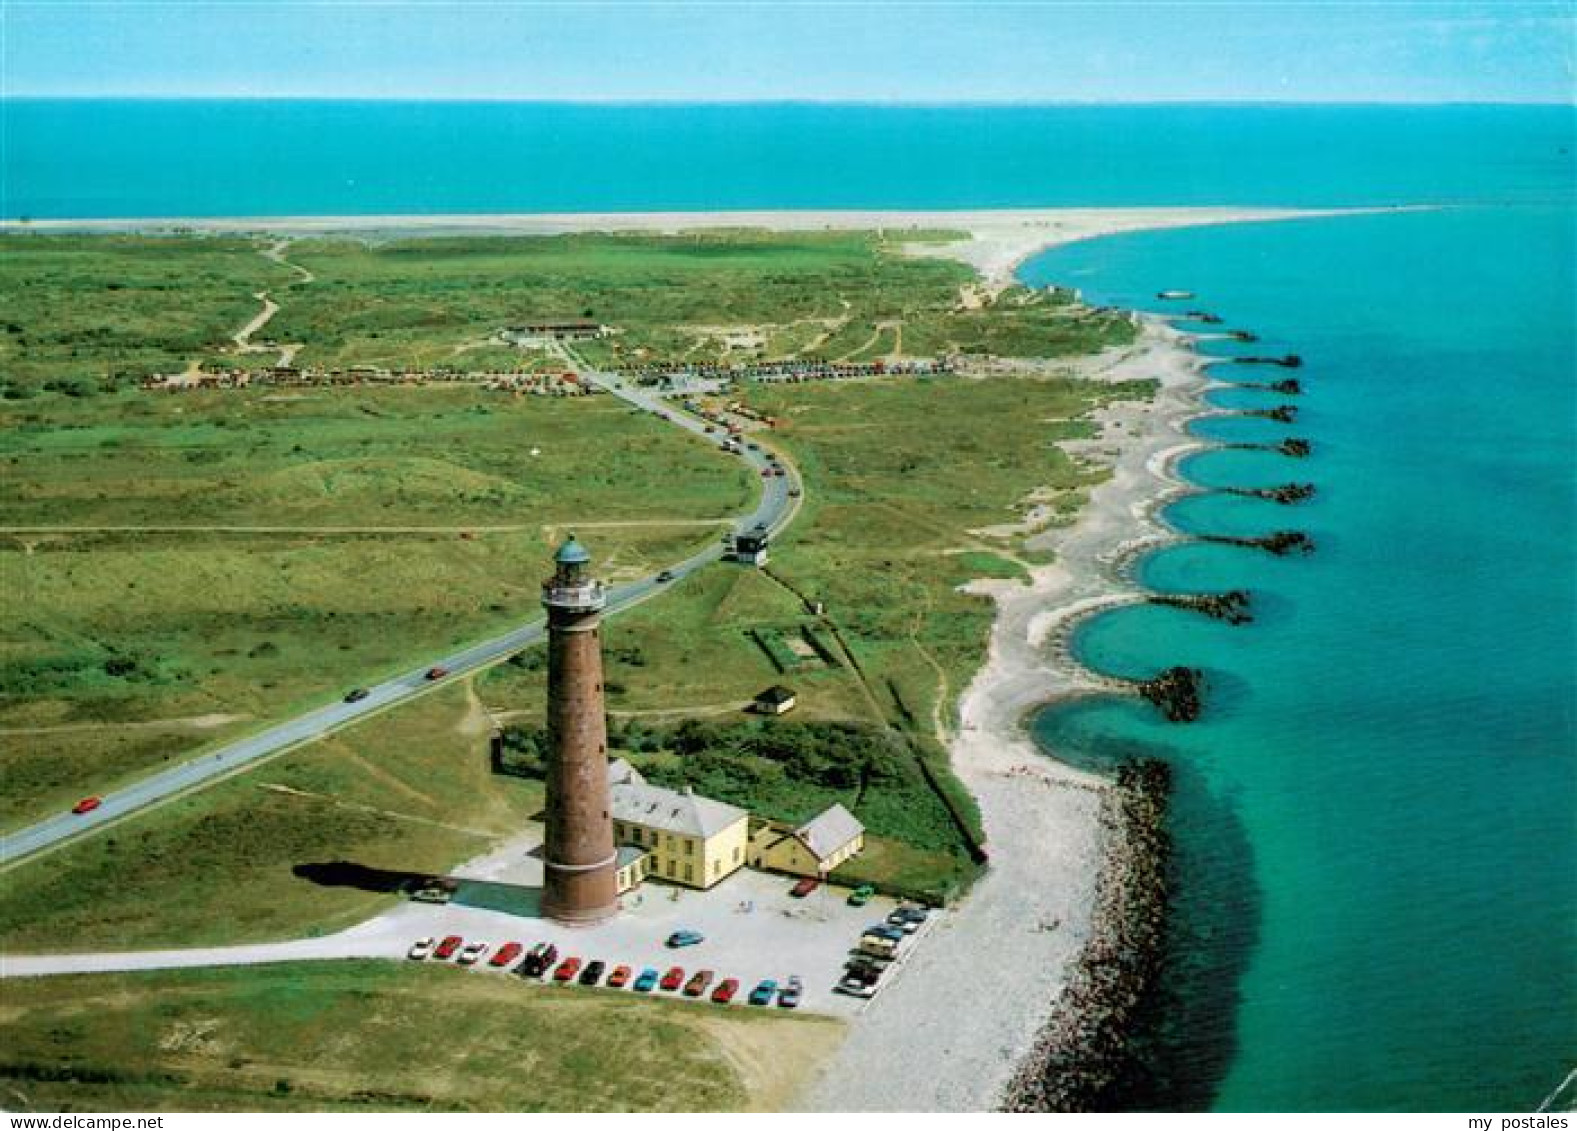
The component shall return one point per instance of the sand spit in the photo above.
(970, 1007)
(1000, 239)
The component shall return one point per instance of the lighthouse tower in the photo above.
(579, 859)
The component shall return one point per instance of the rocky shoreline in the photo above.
(1083, 1048)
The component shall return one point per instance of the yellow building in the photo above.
(682, 837)
(814, 849)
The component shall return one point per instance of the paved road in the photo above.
(775, 510)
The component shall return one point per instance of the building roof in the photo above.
(776, 696)
(572, 553)
(620, 772)
(671, 810)
(829, 831)
(629, 854)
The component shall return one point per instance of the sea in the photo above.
(1375, 818)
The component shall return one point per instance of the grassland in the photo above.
(844, 294)
(202, 563)
(238, 555)
(370, 1036)
(410, 790)
(87, 312)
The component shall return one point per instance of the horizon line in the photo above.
(879, 103)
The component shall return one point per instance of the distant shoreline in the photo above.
(1000, 239)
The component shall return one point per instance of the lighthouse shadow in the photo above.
(490, 895)
(485, 895)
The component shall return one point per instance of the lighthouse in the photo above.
(578, 856)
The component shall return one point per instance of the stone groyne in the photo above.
(1085, 1044)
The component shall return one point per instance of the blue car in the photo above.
(647, 981)
(764, 993)
(685, 938)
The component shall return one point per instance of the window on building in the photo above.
(689, 872)
(736, 855)
(716, 864)
(689, 847)
(670, 869)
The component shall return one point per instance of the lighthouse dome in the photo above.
(572, 553)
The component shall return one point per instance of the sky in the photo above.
(855, 50)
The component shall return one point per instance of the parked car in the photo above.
(567, 969)
(593, 972)
(861, 895)
(437, 673)
(907, 919)
(447, 948)
(685, 938)
(793, 492)
(764, 992)
(357, 695)
(421, 948)
(665, 576)
(647, 981)
(619, 978)
(472, 954)
(505, 954)
(698, 983)
(859, 982)
(87, 805)
(878, 946)
(673, 979)
(789, 995)
(804, 888)
(779, 472)
(538, 959)
(726, 989)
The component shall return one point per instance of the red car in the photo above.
(725, 991)
(804, 888)
(87, 805)
(620, 976)
(567, 969)
(437, 673)
(673, 979)
(506, 954)
(447, 948)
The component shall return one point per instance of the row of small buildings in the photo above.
(684, 838)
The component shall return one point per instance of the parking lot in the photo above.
(753, 927)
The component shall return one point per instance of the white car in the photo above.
(472, 954)
(421, 948)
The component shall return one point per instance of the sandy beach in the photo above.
(948, 1035)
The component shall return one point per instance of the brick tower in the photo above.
(579, 859)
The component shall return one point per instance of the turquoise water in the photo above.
(205, 158)
(1376, 820)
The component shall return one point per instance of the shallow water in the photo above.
(1378, 820)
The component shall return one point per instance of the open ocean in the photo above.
(1376, 819)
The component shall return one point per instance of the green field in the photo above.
(408, 791)
(82, 313)
(233, 556)
(377, 1036)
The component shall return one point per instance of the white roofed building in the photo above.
(689, 839)
(813, 849)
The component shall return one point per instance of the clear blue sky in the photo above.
(914, 52)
